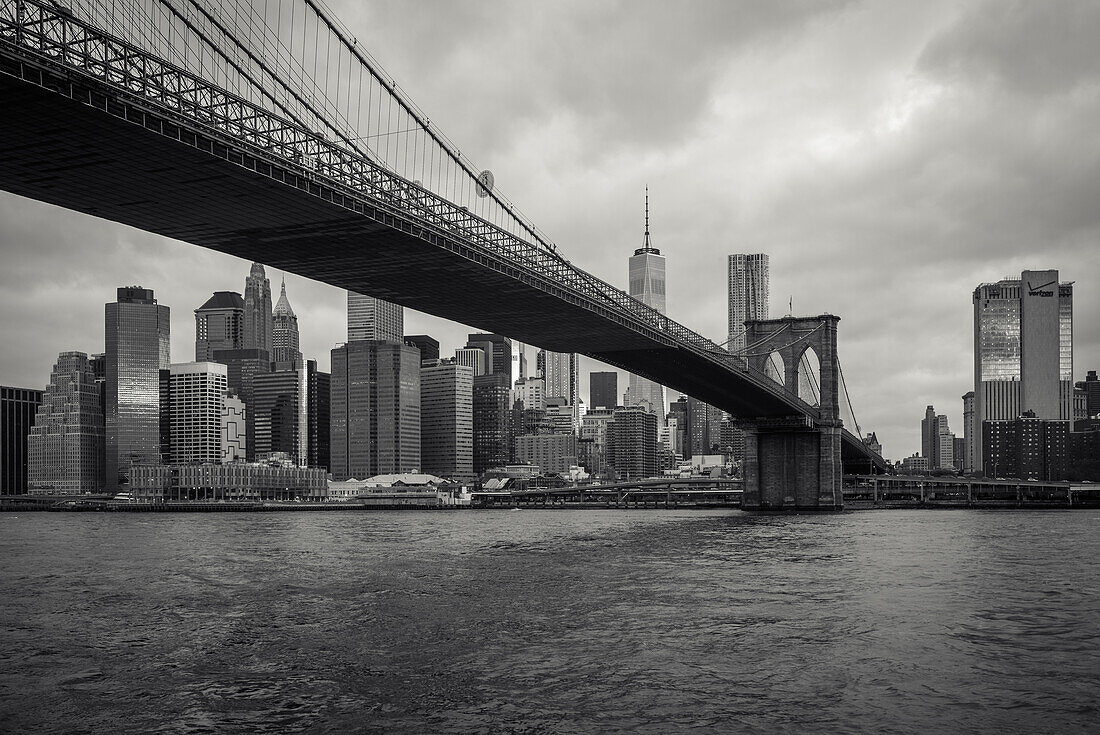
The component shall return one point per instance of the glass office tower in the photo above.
(137, 340)
(647, 284)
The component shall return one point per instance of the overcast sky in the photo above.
(887, 156)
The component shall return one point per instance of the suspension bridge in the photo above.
(267, 131)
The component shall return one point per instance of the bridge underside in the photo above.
(66, 153)
(58, 150)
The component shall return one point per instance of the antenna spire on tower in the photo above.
(645, 242)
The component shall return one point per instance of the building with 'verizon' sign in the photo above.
(1023, 353)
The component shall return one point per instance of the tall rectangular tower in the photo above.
(447, 420)
(257, 310)
(374, 409)
(603, 390)
(137, 342)
(1023, 352)
(492, 421)
(196, 404)
(371, 318)
(17, 410)
(647, 284)
(748, 295)
(562, 380)
(1040, 341)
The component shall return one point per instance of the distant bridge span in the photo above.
(97, 125)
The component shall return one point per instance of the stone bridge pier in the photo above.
(794, 462)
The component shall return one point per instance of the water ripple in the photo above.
(550, 622)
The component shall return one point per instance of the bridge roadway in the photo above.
(111, 135)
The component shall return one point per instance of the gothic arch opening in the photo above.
(775, 369)
(809, 377)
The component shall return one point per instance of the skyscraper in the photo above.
(1023, 352)
(1092, 394)
(17, 409)
(371, 318)
(219, 325)
(603, 389)
(632, 443)
(492, 421)
(428, 346)
(498, 353)
(137, 342)
(243, 367)
(319, 415)
(375, 409)
(257, 310)
(968, 432)
(471, 357)
(196, 407)
(285, 353)
(937, 441)
(562, 380)
(447, 420)
(65, 446)
(704, 427)
(748, 295)
(280, 405)
(647, 284)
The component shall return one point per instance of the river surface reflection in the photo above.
(551, 621)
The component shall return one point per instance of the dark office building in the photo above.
(319, 387)
(1091, 385)
(498, 353)
(165, 389)
(603, 390)
(375, 409)
(632, 443)
(492, 421)
(429, 348)
(1084, 451)
(704, 431)
(219, 325)
(242, 368)
(17, 409)
(279, 410)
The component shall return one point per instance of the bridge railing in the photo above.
(57, 37)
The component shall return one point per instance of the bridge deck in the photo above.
(87, 145)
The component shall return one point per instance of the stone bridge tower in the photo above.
(794, 462)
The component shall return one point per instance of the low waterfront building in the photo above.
(915, 465)
(236, 481)
(407, 488)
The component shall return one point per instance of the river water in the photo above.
(548, 621)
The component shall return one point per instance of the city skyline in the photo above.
(886, 217)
